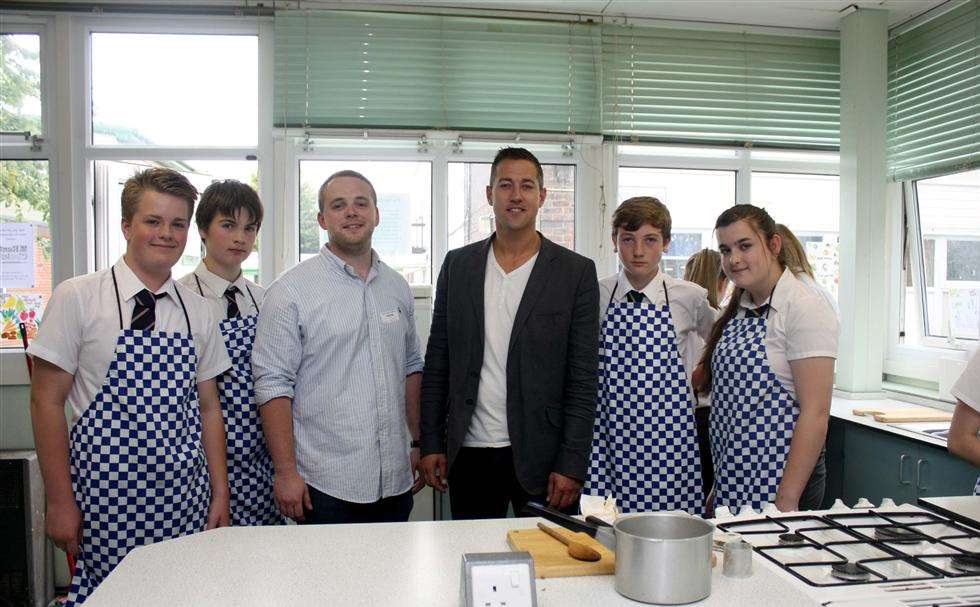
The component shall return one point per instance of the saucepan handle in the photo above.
(560, 518)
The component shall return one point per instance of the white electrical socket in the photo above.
(503, 579)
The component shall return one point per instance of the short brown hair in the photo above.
(516, 154)
(345, 173)
(639, 211)
(156, 179)
(227, 198)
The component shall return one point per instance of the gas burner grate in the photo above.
(967, 563)
(851, 572)
(791, 539)
(898, 535)
(878, 547)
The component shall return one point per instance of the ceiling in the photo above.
(808, 14)
(804, 14)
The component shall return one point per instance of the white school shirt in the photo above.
(818, 288)
(214, 287)
(967, 387)
(80, 327)
(690, 311)
(502, 294)
(800, 324)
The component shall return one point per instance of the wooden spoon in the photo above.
(576, 550)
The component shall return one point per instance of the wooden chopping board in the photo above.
(911, 414)
(551, 556)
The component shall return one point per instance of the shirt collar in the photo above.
(216, 284)
(341, 265)
(653, 287)
(130, 284)
(779, 294)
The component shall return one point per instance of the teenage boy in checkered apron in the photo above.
(770, 363)
(964, 432)
(135, 356)
(228, 218)
(645, 446)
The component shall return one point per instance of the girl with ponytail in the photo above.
(770, 365)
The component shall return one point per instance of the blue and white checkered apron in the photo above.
(644, 443)
(137, 463)
(752, 417)
(250, 471)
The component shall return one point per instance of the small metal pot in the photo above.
(661, 557)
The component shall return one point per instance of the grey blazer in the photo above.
(551, 364)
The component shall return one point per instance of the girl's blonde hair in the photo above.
(793, 255)
(704, 268)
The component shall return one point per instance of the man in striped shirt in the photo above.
(337, 372)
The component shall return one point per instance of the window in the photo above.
(189, 102)
(111, 175)
(809, 205)
(25, 207)
(949, 228)
(403, 238)
(170, 89)
(694, 198)
(471, 218)
(20, 95)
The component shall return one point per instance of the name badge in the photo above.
(390, 316)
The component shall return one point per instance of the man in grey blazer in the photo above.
(509, 383)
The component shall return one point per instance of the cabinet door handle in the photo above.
(901, 469)
(918, 474)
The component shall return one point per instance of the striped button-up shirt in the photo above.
(341, 347)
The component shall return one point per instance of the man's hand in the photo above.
(419, 480)
(787, 503)
(292, 495)
(218, 512)
(434, 470)
(562, 490)
(63, 524)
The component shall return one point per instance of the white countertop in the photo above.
(391, 564)
(841, 407)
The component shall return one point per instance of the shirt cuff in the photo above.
(414, 368)
(812, 354)
(263, 396)
(213, 372)
(36, 350)
(959, 395)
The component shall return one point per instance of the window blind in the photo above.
(390, 70)
(674, 84)
(934, 96)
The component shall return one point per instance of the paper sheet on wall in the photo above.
(17, 256)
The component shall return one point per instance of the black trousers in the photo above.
(701, 416)
(331, 510)
(812, 496)
(483, 483)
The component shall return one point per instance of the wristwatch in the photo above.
(416, 444)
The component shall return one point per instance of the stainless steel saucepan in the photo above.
(661, 557)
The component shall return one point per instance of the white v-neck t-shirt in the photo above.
(502, 294)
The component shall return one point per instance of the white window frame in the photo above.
(440, 151)
(742, 163)
(935, 360)
(90, 153)
(13, 370)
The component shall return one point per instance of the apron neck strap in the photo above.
(115, 285)
(247, 290)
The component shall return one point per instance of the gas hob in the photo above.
(888, 555)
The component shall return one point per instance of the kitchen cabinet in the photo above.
(875, 464)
